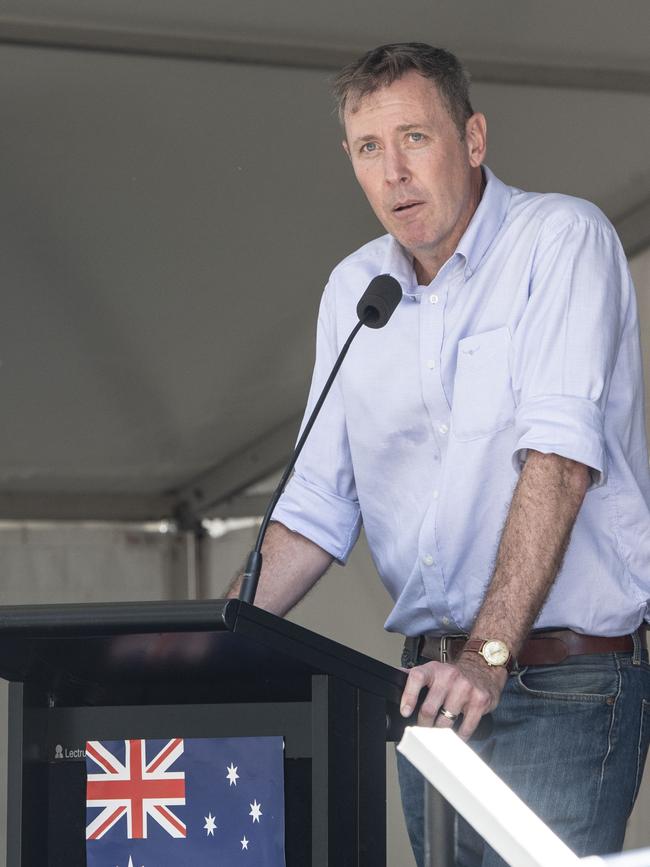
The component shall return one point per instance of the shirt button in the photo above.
(434, 298)
(427, 560)
(446, 621)
(435, 495)
(442, 428)
(431, 364)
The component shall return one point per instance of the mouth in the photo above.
(403, 208)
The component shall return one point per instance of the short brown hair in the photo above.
(384, 65)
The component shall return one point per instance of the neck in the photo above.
(427, 263)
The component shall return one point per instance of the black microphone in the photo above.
(375, 307)
(378, 302)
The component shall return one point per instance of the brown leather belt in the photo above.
(547, 647)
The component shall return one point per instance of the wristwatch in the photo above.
(494, 651)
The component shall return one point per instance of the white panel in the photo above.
(484, 800)
(73, 564)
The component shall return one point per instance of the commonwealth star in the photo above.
(209, 825)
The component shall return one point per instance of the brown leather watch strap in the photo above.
(474, 645)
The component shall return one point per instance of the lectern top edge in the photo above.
(111, 618)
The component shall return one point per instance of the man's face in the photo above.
(421, 179)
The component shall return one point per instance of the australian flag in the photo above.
(182, 802)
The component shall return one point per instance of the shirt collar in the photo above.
(486, 222)
(399, 264)
(481, 231)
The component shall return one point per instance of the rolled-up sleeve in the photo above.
(565, 345)
(320, 501)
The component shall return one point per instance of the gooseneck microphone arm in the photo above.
(254, 562)
(374, 309)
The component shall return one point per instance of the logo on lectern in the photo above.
(61, 752)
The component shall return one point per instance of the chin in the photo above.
(414, 235)
(415, 241)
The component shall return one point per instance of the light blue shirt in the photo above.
(527, 338)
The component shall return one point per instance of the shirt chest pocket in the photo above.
(483, 402)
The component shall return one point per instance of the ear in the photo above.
(345, 146)
(476, 139)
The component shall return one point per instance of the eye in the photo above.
(416, 136)
(369, 147)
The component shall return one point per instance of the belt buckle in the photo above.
(444, 644)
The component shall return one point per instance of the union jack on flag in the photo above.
(135, 789)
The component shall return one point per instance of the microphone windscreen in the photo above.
(378, 302)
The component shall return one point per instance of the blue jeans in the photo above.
(571, 741)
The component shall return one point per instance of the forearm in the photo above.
(543, 510)
(544, 507)
(291, 565)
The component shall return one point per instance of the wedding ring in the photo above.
(448, 714)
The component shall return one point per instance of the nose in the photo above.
(396, 170)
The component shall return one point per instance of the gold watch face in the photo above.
(495, 652)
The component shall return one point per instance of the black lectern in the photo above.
(217, 668)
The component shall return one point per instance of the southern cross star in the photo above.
(255, 811)
(232, 774)
(209, 825)
(244, 843)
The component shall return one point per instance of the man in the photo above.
(499, 411)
